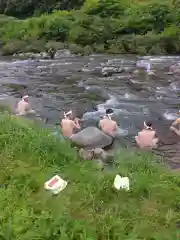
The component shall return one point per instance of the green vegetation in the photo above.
(88, 208)
(126, 26)
(22, 8)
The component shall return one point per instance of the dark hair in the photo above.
(109, 111)
(148, 123)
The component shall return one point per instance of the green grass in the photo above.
(88, 208)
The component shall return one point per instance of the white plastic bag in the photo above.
(121, 182)
(56, 184)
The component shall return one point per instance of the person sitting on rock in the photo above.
(175, 127)
(68, 125)
(23, 107)
(107, 125)
(147, 137)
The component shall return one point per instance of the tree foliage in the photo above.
(134, 26)
(24, 8)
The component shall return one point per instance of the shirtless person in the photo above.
(68, 125)
(108, 125)
(147, 137)
(23, 107)
(175, 127)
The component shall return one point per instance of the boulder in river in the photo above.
(99, 153)
(175, 69)
(91, 138)
(136, 86)
(109, 71)
(86, 154)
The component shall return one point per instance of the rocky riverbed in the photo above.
(89, 85)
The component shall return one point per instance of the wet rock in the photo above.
(86, 154)
(31, 55)
(94, 71)
(175, 69)
(134, 84)
(96, 93)
(91, 138)
(136, 71)
(128, 69)
(151, 73)
(109, 71)
(169, 73)
(100, 153)
(62, 53)
(105, 156)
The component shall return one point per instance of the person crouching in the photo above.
(69, 125)
(23, 107)
(147, 137)
(107, 125)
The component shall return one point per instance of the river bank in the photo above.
(88, 208)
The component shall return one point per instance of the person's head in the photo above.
(178, 113)
(68, 115)
(148, 125)
(25, 98)
(109, 112)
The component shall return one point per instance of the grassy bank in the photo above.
(137, 27)
(88, 209)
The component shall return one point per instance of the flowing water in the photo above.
(76, 82)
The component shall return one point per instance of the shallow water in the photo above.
(76, 82)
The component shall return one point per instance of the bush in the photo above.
(148, 16)
(117, 26)
(26, 8)
(105, 8)
(54, 45)
(87, 30)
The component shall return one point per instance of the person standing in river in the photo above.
(23, 107)
(107, 125)
(146, 138)
(68, 125)
(51, 53)
(175, 127)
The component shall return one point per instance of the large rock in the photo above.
(86, 154)
(109, 71)
(99, 153)
(175, 69)
(91, 137)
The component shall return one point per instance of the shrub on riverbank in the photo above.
(88, 208)
(141, 27)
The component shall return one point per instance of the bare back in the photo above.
(108, 126)
(145, 138)
(175, 127)
(68, 127)
(22, 107)
(176, 123)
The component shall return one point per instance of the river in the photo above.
(76, 82)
